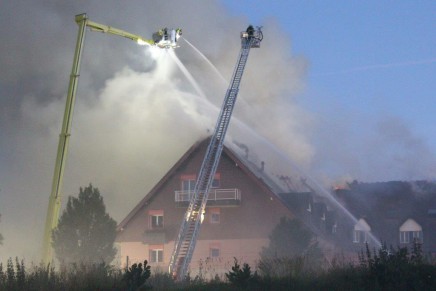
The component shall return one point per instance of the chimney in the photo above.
(262, 166)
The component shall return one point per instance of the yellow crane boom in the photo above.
(165, 40)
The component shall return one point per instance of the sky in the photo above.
(371, 67)
(340, 90)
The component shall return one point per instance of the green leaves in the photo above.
(240, 277)
(289, 239)
(85, 233)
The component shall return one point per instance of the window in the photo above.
(334, 228)
(215, 218)
(309, 208)
(410, 236)
(404, 237)
(156, 219)
(188, 182)
(356, 236)
(214, 215)
(360, 236)
(410, 231)
(188, 185)
(214, 250)
(361, 231)
(214, 253)
(156, 253)
(216, 180)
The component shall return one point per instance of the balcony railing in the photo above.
(216, 196)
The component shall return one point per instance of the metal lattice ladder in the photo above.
(190, 227)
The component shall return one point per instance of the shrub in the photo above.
(240, 277)
(137, 275)
(161, 281)
(396, 269)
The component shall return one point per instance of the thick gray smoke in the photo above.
(136, 113)
(351, 147)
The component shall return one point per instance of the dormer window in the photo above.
(410, 231)
(361, 231)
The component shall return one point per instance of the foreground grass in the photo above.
(385, 269)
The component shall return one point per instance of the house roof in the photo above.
(256, 174)
(386, 206)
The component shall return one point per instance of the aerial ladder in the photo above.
(189, 230)
(164, 38)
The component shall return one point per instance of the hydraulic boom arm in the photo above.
(109, 29)
(190, 227)
(165, 41)
(164, 38)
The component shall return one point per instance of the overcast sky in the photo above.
(343, 91)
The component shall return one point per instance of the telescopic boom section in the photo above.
(163, 40)
(190, 227)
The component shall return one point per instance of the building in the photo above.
(396, 213)
(246, 203)
(242, 210)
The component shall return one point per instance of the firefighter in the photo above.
(250, 30)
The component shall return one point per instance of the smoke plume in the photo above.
(136, 113)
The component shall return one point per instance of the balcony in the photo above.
(154, 237)
(162, 235)
(217, 197)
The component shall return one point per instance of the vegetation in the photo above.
(292, 247)
(383, 269)
(85, 233)
(241, 277)
(136, 275)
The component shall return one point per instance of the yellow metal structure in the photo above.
(54, 205)
(108, 29)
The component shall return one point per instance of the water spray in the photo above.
(319, 189)
(214, 68)
(187, 74)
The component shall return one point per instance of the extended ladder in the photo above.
(190, 227)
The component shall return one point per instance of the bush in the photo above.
(383, 269)
(240, 277)
(396, 269)
(161, 281)
(136, 275)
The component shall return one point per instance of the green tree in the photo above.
(85, 233)
(240, 277)
(288, 239)
(292, 249)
